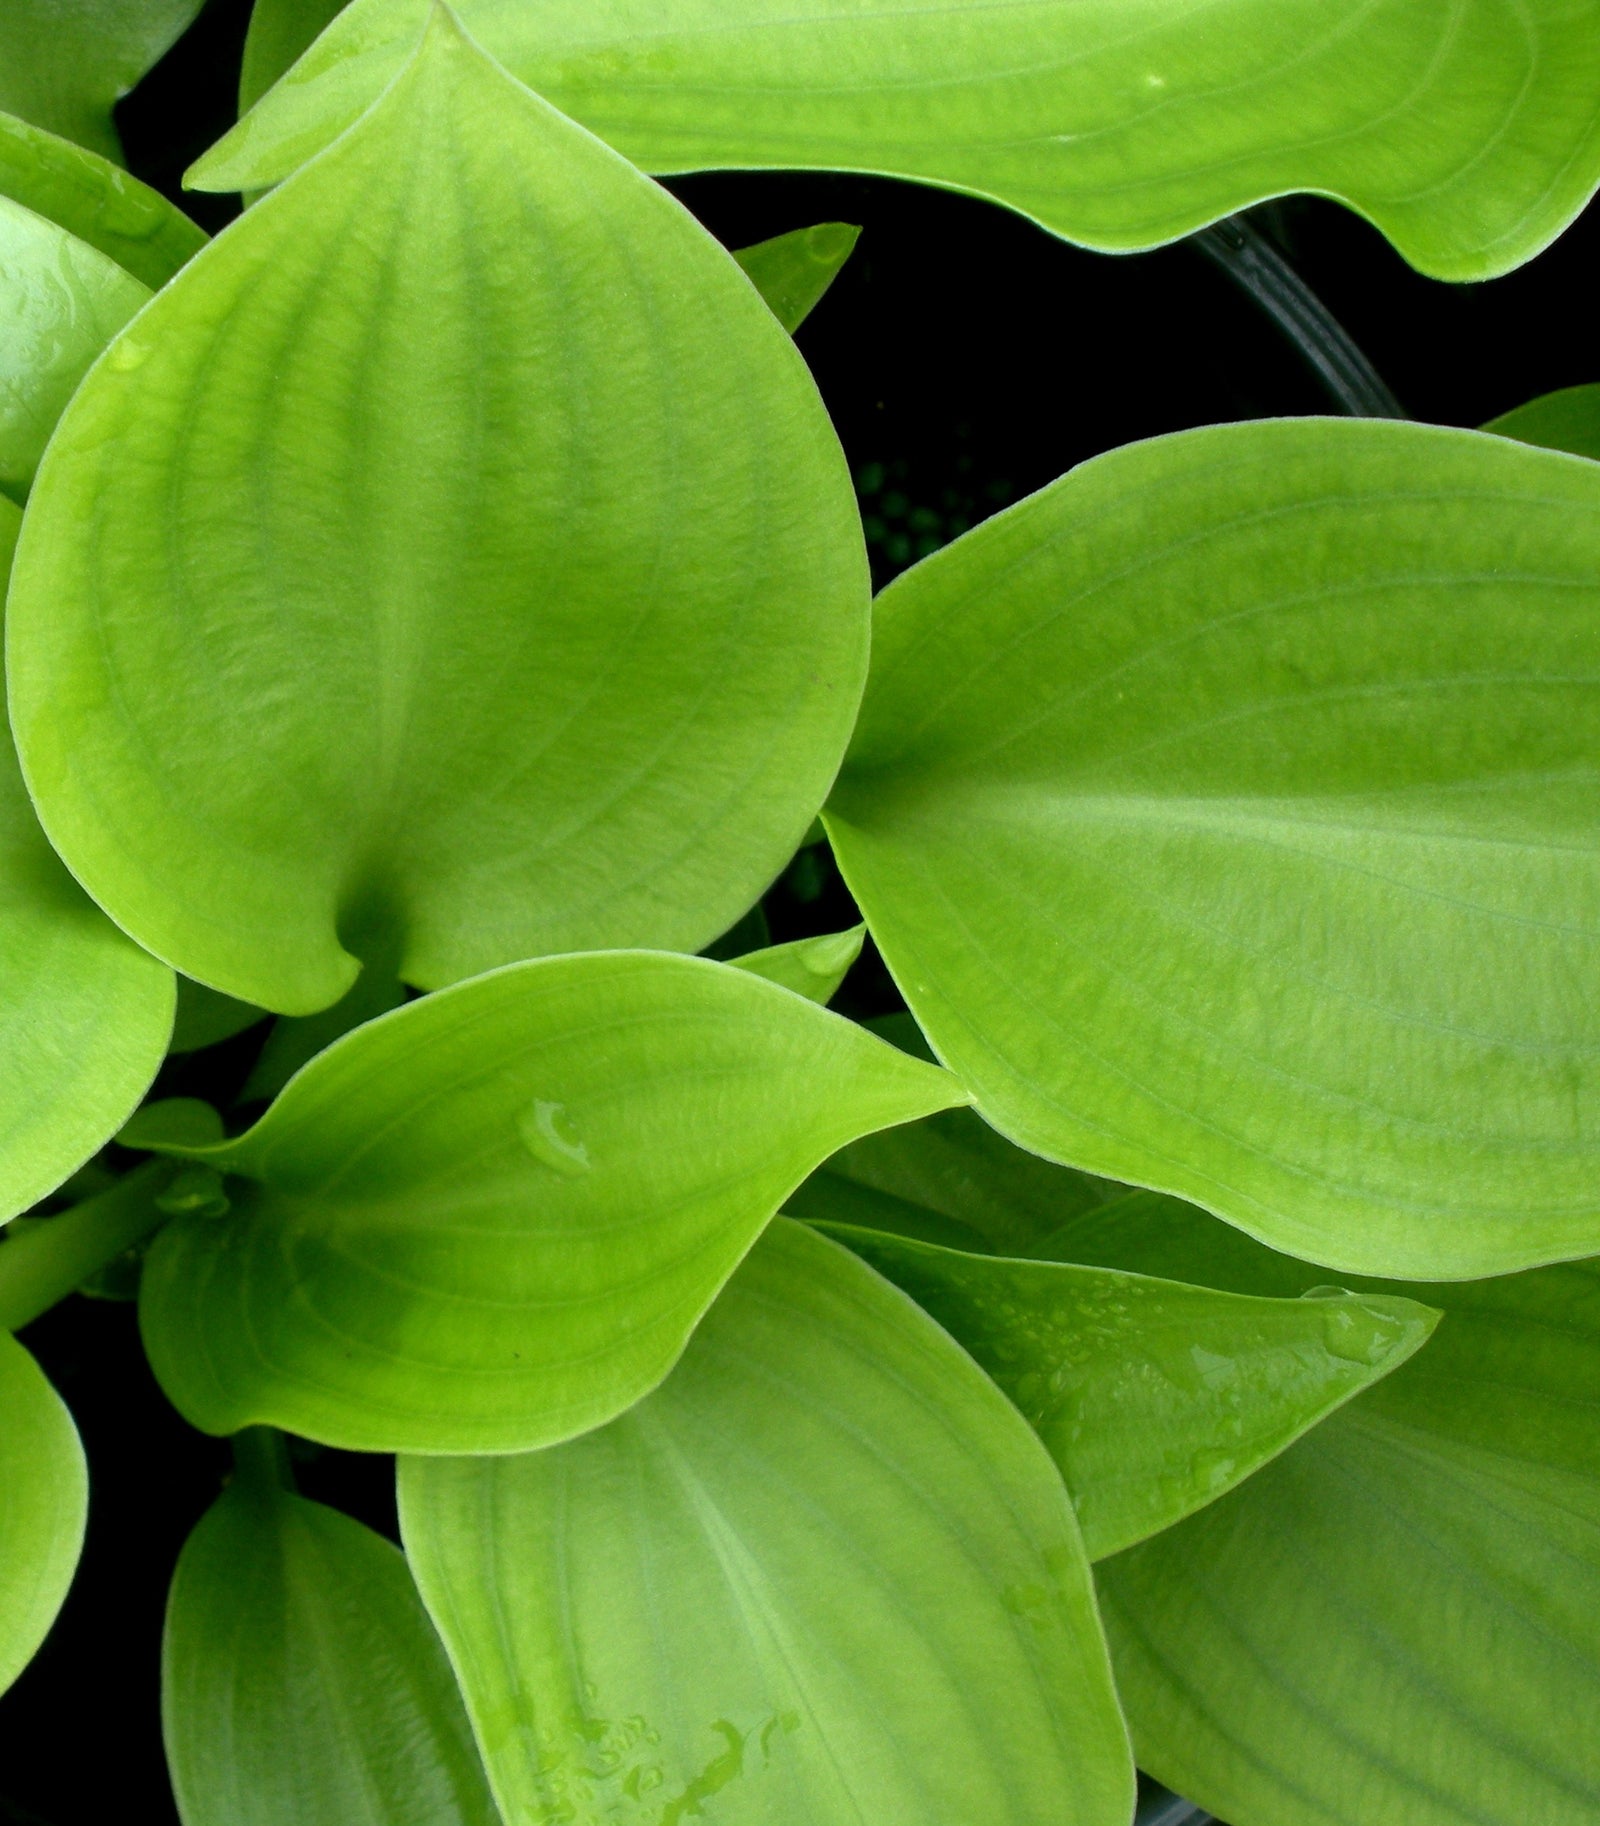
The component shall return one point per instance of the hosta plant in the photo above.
(439, 612)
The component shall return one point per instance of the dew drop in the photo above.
(551, 1137)
(127, 353)
(1351, 1336)
(1326, 1293)
(195, 1192)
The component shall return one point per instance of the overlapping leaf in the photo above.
(63, 302)
(823, 1573)
(63, 66)
(84, 1014)
(503, 548)
(1152, 1397)
(1467, 133)
(1565, 420)
(1397, 1623)
(1228, 815)
(280, 30)
(44, 1496)
(812, 967)
(792, 272)
(95, 200)
(491, 1219)
(303, 1684)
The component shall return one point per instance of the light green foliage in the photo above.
(824, 1573)
(280, 30)
(95, 200)
(63, 301)
(1565, 420)
(1153, 1398)
(481, 585)
(63, 63)
(44, 1499)
(1228, 812)
(1467, 133)
(84, 1014)
(491, 1219)
(302, 1683)
(793, 271)
(812, 967)
(1398, 1622)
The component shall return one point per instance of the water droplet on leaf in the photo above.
(551, 1137)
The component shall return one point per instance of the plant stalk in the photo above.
(261, 1460)
(41, 1265)
(1255, 265)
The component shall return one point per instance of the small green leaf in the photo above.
(280, 30)
(95, 200)
(793, 272)
(1397, 1623)
(1469, 137)
(302, 1683)
(1568, 420)
(1153, 1398)
(84, 1013)
(505, 549)
(62, 66)
(1229, 815)
(812, 967)
(491, 1219)
(63, 302)
(205, 1017)
(824, 1573)
(44, 1500)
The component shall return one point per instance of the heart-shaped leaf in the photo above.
(504, 548)
(44, 1499)
(1229, 814)
(1470, 139)
(1153, 1398)
(491, 1219)
(95, 200)
(63, 66)
(302, 1683)
(1397, 1623)
(824, 1573)
(1566, 420)
(84, 1014)
(63, 302)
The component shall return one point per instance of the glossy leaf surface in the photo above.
(84, 1014)
(572, 665)
(1397, 1623)
(824, 1573)
(302, 1683)
(812, 967)
(1565, 420)
(1153, 1398)
(1227, 813)
(491, 1219)
(44, 1499)
(95, 200)
(63, 302)
(793, 272)
(1469, 135)
(62, 66)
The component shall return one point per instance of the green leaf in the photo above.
(205, 1018)
(1153, 1398)
(1469, 138)
(491, 1219)
(504, 547)
(84, 1014)
(44, 1501)
(63, 66)
(280, 30)
(63, 302)
(812, 967)
(95, 200)
(824, 1573)
(793, 272)
(1227, 813)
(302, 1683)
(1397, 1623)
(1566, 420)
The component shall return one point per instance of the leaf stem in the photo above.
(261, 1460)
(1255, 265)
(41, 1265)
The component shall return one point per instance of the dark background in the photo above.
(967, 358)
